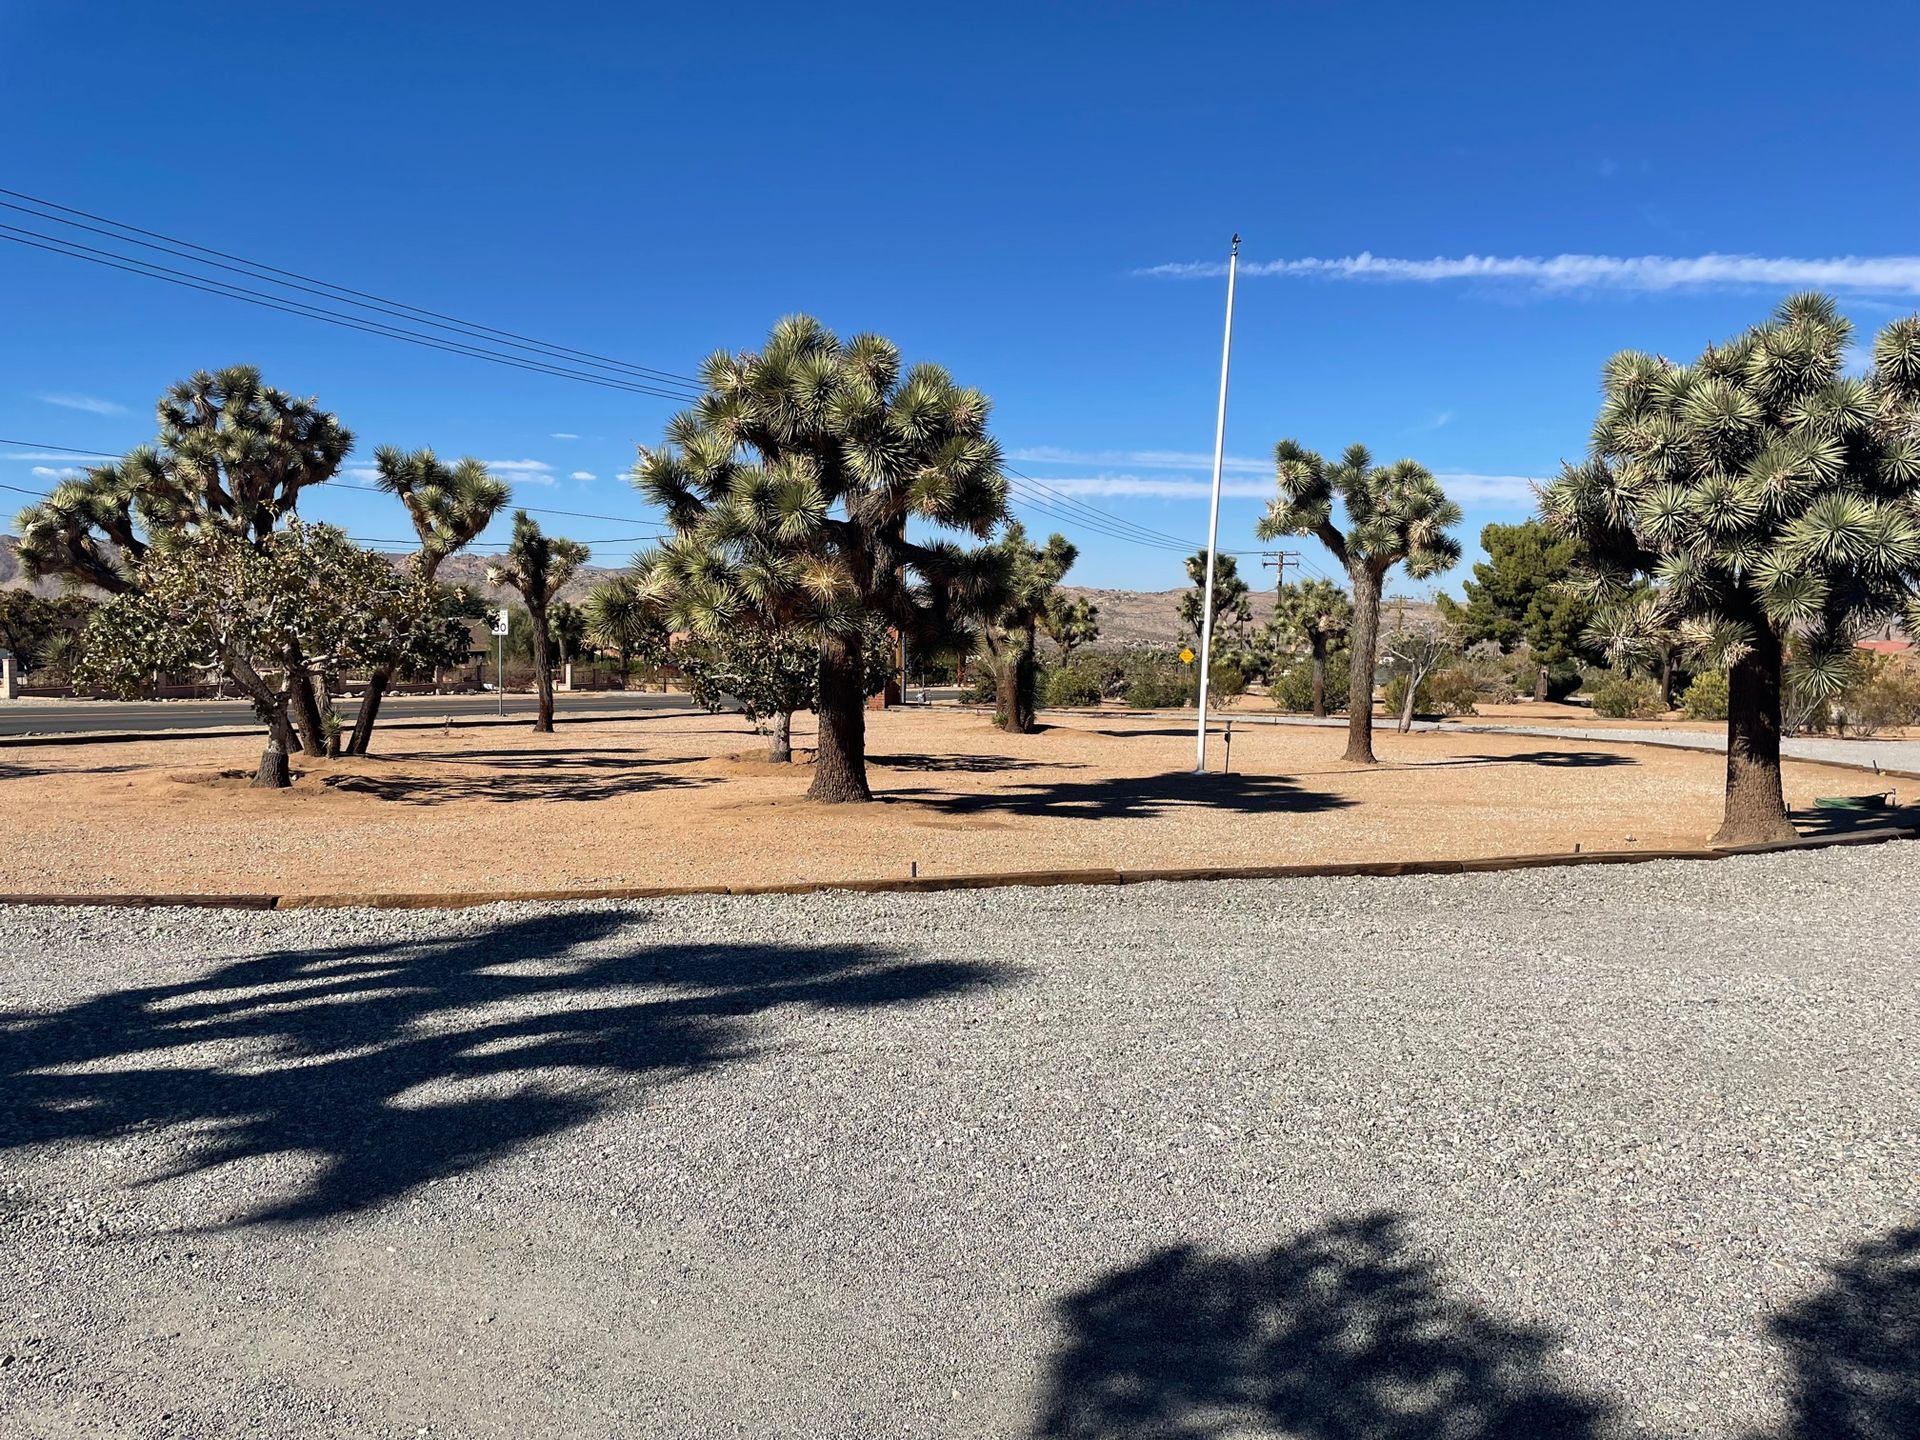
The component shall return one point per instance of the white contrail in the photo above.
(1877, 274)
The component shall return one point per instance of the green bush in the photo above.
(1154, 682)
(1450, 690)
(1705, 697)
(1292, 686)
(1884, 695)
(1624, 697)
(1077, 683)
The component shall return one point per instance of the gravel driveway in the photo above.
(1610, 1151)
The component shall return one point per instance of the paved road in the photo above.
(1622, 1152)
(101, 716)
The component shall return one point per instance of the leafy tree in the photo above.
(1022, 588)
(790, 486)
(1396, 514)
(621, 619)
(1520, 595)
(214, 600)
(449, 506)
(1416, 648)
(770, 674)
(232, 457)
(1318, 615)
(538, 566)
(33, 627)
(1232, 603)
(1070, 622)
(1773, 498)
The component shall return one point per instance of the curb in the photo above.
(929, 884)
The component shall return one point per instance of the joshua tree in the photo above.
(1023, 586)
(568, 624)
(539, 567)
(1774, 499)
(1070, 622)
(232, 457)
(1232, 609)
(449, 505)
(1317, 614)
(621, 619)
(790, 486)
(1396, 514)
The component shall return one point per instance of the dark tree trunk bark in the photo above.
(626, 669)
(1756, 810)
(542, 667)
(780, 738)
(1366, 643)
(274, 771)
(1540, 682)
(1319, 644)
(1406, 704)
(840, 760)
(1666, 678)
(305, 706)
(376, 691)
(1018, 679)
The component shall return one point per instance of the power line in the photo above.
(146, 269)
(344, 293)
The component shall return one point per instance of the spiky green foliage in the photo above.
(1774, 499)
(1024, 577)
(1394, 514)
(34, 627)
(233, 455)
(1310, 615)
(1070, 621)
(539, 566)
(621, 619)
(790, 486)
(1232, 609)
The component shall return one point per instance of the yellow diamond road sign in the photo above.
(1186, 655)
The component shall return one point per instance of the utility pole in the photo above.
(1278, 560)
(1213, 518)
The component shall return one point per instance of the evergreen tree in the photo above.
(1521, 595)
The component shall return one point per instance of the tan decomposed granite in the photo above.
(676, 800)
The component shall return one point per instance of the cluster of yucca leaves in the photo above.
(790, 484)
(1394, 513)
(233, 455)
(1761, 485)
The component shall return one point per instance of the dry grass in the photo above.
(671, 800)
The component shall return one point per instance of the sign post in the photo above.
(500, 665)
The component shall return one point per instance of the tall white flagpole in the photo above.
(1213, 519)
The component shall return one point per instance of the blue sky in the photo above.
(999, 188)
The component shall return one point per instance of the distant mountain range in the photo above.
(1132, 619)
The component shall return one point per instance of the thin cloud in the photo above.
(534, 472)
(1871, 274)
(363, 472)
(1140, 459)
(43, 472)
(1461, 485)
(583, 475)
(38, 455)
(563, 435)
(90, 404)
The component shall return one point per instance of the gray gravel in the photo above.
(1621, 1151)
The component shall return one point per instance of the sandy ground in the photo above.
(682, 800)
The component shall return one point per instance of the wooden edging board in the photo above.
(928, 884)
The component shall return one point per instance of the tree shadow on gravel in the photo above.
(385, 1066)
(576, 775)
(1346, 1333)
(1136, 797)
(1341, 1333)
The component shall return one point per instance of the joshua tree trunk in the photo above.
(780, 738)
(1016, 686)
(1406, 705)
(1366, 641)
(1756, 808)
(1319, 645)
(542, 667)
(1540, 682)
(1666, 677)
(626, 668)
(376, 691)
(840, 760)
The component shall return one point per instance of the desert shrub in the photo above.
(1153, 680)
(1449, 690)
(982, 686)
(1705, 697)
(1619, 696)
(1291, 687)
(1226, 683)
(1885, 694)
(1079, 682)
